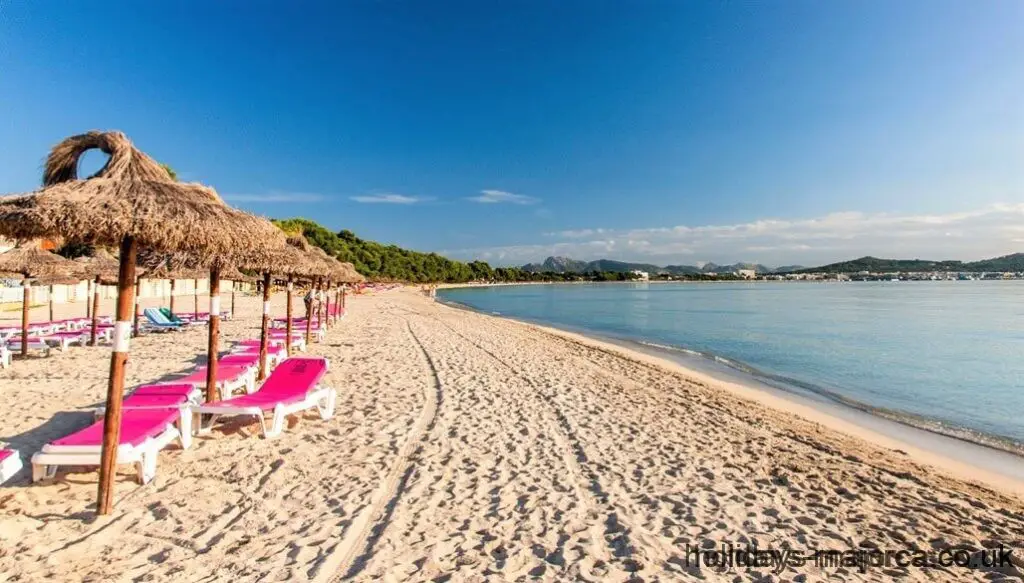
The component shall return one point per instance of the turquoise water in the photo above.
(945, 356)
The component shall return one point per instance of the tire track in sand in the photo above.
(356, 547)
(617, 536)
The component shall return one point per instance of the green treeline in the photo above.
(392, 263)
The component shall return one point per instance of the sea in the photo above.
(946, 357)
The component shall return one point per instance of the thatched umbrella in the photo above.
(227, 263)
(130, 202)
(305, 266)
(321, 269)
(29, 260)
(101, 268)
(343, 273)
(288, 261)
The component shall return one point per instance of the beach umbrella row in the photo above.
(131, 203)
(162, 229)
(29, 260)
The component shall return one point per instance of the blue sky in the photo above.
(673, 132)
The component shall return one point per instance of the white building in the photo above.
(746, 273)
(641, 275)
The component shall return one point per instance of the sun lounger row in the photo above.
(154, 416)
(44, 328)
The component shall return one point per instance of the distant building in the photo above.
(641, 275)
(746, 273)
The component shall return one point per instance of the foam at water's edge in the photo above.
(1000, 442)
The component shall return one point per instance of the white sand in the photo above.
(480, 448)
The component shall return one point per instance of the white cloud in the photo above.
(276, 197)
(968, 235)
(500, 196)
(389, 198)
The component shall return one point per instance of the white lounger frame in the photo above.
(298, 342)
(10, 466)
(14, 345)
(247, 382)
(144, 457)
(5, 356)
(323, 398)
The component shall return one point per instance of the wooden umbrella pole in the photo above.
(195, 299)
(327, 306)
(115, 388)
(95, 311)
(232, 298)
(172, 296)
(344, 293)
(49, 292)
(264, 326)
(214, 345)
(88, 299)
(309, 313)
(135, 321)
(26, 302)
(288, 320)
(320, 305)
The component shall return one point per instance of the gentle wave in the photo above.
(796, 386)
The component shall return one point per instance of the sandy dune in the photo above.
(471, 448)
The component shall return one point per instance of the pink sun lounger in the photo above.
(71, 323)
(293, 386)
(274, 339)
(10, 464)
(229, 379)
(144, 432)
(275, 354)
(159, 397)
(34, 343)
(33, 330)
(299, 333)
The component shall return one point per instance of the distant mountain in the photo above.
(620, 266)
(788, 268)
(712, 268)
(557, 265)
(1013, 262)
(567, 265)
(681, 269)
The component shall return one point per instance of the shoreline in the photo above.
(967, 460)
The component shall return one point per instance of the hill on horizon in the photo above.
(555, 264)
(1013, 262)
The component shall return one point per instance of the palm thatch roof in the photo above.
(349, 274)
(292, 258)
(100, 264)
(232, 274)
(132, 195)
(58, 280)
(324, 263)
(29, 260)
(153, 264)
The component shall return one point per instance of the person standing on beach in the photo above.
(308, 300)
